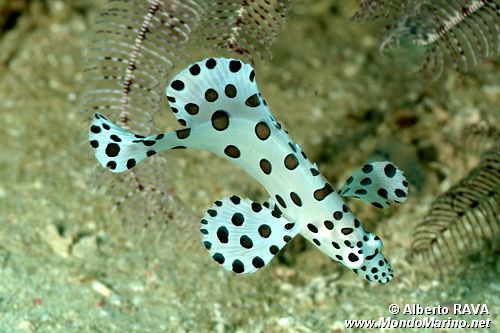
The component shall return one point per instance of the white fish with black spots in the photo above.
(218, 102)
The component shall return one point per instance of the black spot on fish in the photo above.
(220, 120)
(367, 168)
(111, 165)
(280, 200)
(390, 170)
(246, 242)
(183, 133)
(365, 181)
(230, 91)
(257, 262)
(95, 129)
(211, 95)
(235, 199)
(262, 130)
(382, 192)
(234, 66)
(264, 231)
(323, 192)
(256, 207)
(192, 108)
(312, 228)
(219, 258)
(328, 224)
(223, 234)
(291, 162)
(400, 193)
(346, 231)
(338, 215)
(112, 149)
(232, 151)
(352, 257)
(194, 70)
(252, 101)
(131, 163)
(177, 85)
(211, 63)
(237, 219)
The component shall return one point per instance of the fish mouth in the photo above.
(371, 256)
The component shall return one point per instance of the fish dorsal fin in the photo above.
(215, 84)
(244, 236)
(377, 183)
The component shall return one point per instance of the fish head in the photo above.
(365, 258)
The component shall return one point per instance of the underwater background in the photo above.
(75, 255)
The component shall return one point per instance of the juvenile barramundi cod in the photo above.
(223, 112)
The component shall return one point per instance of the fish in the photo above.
(221, 110)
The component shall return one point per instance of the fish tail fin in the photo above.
(119, 149)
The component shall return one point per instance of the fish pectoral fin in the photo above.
(377, 183)
(243, 235)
